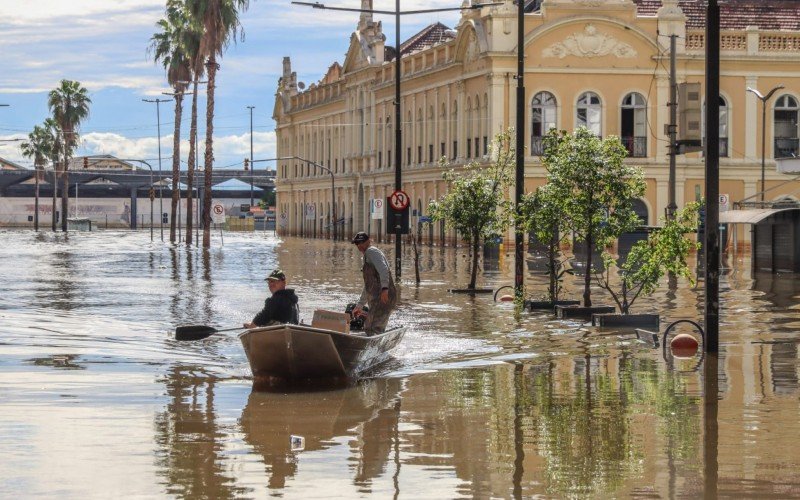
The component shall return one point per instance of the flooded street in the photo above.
(98, 399)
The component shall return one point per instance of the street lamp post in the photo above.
(763, 99)
(158, 102)
(398, 156)
(519, 180)
(251, 154)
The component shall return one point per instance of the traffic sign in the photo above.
(724, 203)
(377, 209)
(217, 212)
(398, 200)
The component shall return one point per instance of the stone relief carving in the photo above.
(472, 48)
(589, 43)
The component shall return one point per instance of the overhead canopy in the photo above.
(750, 216)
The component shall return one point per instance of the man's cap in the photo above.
(276, 275)
(360, 237)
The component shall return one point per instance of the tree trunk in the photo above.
(64, 191)
(191, 167)
(55, 195)
(476, 240)
(209, 157)
(176, 165)
(36, 200)
(587, 279)
(551, 255)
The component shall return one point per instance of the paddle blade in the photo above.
(194, 332)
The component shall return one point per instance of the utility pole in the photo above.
(712, 181)
(160, 179)
(251, 155)
(672, 206)
(519, 254)
(398, 143)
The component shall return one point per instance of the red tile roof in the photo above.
(428, 37)
(735, 14)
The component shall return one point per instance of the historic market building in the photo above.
(603, 64)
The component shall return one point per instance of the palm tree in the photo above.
(172, 46)
(220, 21)
(69, 104)
(39, 147)
(54, 131)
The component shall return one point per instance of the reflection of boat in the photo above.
(301, 352)
(368, 410)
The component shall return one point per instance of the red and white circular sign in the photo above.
(398, 200)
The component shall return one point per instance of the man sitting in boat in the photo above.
(379, 291)
(281, 307)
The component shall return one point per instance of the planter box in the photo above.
(549, 304)
(581, 312)
(471, 291)
(626, 320)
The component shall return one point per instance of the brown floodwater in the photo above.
(98, 400)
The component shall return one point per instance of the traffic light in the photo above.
(85, 162)
(246, 163)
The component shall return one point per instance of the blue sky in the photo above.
(103, 44)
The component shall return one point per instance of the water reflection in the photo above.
(478, 402)
(367, 414)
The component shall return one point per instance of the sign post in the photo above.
(218, 215)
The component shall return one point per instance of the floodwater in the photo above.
(98, 400)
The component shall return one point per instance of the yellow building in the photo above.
(603, 64)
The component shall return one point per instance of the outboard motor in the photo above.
(356, 324)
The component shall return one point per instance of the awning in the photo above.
(750, 216)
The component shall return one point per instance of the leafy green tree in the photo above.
(664, 250)
(476, 205)
(594, 189)
(220, 25)
(173, 46)
(69, 104)
(39, 146)
(540, 213)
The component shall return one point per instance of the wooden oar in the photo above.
(199, 332)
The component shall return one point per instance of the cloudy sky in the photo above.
(104, 45)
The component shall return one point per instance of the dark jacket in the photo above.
(280, 308)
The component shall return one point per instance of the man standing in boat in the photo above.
(281, 307)
(379, 291)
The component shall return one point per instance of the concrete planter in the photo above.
(580, 312)
(534, 305)
(470, 291)
(626, 320)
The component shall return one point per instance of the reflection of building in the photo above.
(600, 63)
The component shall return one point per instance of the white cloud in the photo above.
(229, 150)
(44, 10)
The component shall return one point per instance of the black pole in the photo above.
(712, 180)
(251, 155)
(672, 206)
(763, 145)
(520, 148)
(398, 143)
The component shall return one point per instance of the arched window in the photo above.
(409, 123)
(633, 130)
(420, 135)
(443, 131)
(431, 124)
(485, 124)
(543, 118)
(785, 127)
(454, 129)
(468, 116)
(723, 126)
(589, 113)
(476, 127)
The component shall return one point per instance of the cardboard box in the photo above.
(331, 320)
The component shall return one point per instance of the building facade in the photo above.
(602, 64)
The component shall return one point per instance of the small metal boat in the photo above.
(297, 353)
